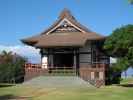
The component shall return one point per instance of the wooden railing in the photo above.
(62, 70)
(30, 65)
(38, 66)
(52, 70)
(87, 70)
(34, 70)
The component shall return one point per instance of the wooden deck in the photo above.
(85, 72)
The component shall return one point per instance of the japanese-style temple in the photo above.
(68, 45)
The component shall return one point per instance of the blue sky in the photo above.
(23, 18)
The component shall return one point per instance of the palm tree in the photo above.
(6, 56)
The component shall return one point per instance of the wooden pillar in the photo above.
(44, 59)
(74, 58)
(77, 62)
(91, 52)
(51, 61)
(44, 62)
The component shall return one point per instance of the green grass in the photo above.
(36, 93)
(127, 81)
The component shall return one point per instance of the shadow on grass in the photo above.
(12, 97)
(6, 85)
(126, 85)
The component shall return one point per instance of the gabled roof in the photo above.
(66, 14)
(66, 31)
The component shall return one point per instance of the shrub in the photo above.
(11, 68)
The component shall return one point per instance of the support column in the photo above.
(74, 59)
(51, 62)
(44, 58)
(44, 62)
(77, 62)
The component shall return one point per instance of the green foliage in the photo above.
(120, 45)
(121, 65)
(113, 75)
(130, 1)
(130, 55)
(5, 72)
(120, 41)
(11, 67)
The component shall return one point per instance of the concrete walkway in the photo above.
(57, 81)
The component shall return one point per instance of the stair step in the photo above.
(58, 81)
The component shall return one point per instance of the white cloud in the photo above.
(29, 52)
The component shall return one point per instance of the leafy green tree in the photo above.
(120, 45)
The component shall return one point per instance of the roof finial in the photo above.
(65, 13)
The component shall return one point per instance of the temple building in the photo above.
(69, 45)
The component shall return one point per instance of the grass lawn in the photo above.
(21, 92)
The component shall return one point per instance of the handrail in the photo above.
(93, 65)
(59, 67)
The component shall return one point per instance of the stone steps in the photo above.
(57, 81)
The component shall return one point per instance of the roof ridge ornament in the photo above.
(66, 14)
